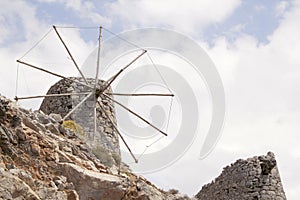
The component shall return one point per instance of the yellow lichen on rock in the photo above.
(70, 124)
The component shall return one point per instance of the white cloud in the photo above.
(4, 30)
(261, 83)
(84, 9)
(259, 7)
(49, 53)
(281, 8)
(20, 25)
(186, 16)
(17, 16)
(262, 89)
(87, 9)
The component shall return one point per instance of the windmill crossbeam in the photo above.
(50, 95)
(52, 73)
(62, 41)
(137, 115)
(139, 94)
(111, 80)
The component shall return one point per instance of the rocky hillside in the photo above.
(42, 159)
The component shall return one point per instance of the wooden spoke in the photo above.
(62, 41)
(50, 95)
(52, 73)
(77, 106)
(98, 57)
(137, 115)
(116, 129)
(138, 94)
(111, 80)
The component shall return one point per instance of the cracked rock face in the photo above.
(40, 159)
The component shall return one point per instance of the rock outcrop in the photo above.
(255, 178)
(41, 159)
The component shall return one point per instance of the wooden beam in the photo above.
(77, 106)
(139, 94)
(50, 95)
(111, 80)
(52, 73)
(62, 41)
(98, 57)
(137, 115)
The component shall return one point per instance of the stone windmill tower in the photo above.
(98, 131)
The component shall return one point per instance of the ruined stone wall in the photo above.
(256, 178)
(104, 137)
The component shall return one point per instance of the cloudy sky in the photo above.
(254, 44)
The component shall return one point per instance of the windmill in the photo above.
(95, 89)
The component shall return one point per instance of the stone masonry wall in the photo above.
(256, 178)
(104, 136)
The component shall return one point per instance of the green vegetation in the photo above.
(103, 155)
(117, 158)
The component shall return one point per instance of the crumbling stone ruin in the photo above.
(255, 178)
(104, 138)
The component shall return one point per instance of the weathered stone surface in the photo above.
(12, 187)
(56, 117)
(3, 109)
(93, 185)
(254, 178)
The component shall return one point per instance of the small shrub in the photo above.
(74, 127)
(117, 158)
(103, 155)
(173, 191)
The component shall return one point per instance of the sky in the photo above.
(254, 45)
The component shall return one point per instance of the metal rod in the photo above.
(115, 127)
(132, 112)
(52, 73)
(138, 94)
(70, 54)
(116, 75)
(98, 57)
(50, 95)
(79, 104)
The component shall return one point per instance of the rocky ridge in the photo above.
(40, 159)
